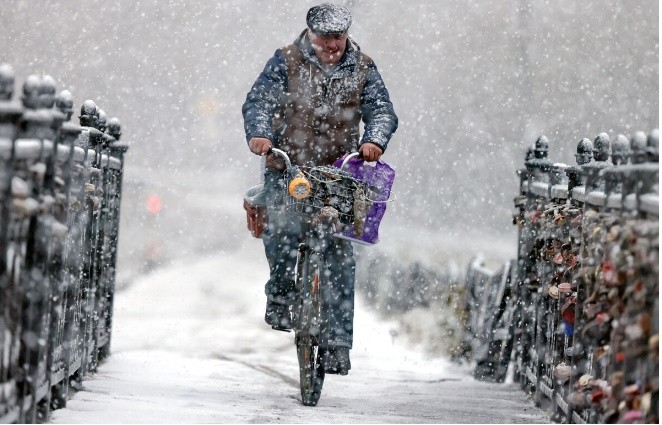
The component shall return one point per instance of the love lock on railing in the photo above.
(576, 314)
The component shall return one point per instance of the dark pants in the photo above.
(281, 241)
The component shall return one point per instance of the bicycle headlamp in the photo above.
(299, 187)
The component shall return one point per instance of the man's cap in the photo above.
(329, 19)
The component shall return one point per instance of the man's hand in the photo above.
(259, 145)
(370, 151)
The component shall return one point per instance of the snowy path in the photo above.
(190, 346)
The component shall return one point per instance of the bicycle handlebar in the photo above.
(288, 163)
(282, 154)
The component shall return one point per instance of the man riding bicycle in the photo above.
(309, 101)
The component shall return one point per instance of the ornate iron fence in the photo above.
(576, 315)
(60, 193)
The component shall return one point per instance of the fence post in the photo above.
(34, 151)
(97, 184)
(10, 323)
(89, 121)
(522, 270)
(116, 152)
(538, 169)
(73, 258)
(60, 328)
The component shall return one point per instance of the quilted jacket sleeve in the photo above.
(264, 99)
(378, 115)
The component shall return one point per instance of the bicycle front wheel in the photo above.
(311, 370)
(311, 342)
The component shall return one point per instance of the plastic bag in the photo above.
(380, 178)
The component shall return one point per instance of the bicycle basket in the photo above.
(329, 186)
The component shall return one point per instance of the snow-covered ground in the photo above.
(190, 346)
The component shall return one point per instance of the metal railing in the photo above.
(60, 194)
(576, 314)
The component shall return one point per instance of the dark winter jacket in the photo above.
(315, 116)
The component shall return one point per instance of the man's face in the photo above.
(328, 48)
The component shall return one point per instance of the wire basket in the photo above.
(329, 186)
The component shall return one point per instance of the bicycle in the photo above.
(326, 199)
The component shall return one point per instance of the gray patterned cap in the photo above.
(329, 19)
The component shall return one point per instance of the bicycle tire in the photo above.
(310, 337)
(311, 371)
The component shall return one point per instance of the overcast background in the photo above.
(474, 83)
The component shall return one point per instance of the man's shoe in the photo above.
(278, 316)
(338, 361)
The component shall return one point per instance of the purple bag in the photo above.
(380, 178)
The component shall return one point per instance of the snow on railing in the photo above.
(576, 315)
(60, 193)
